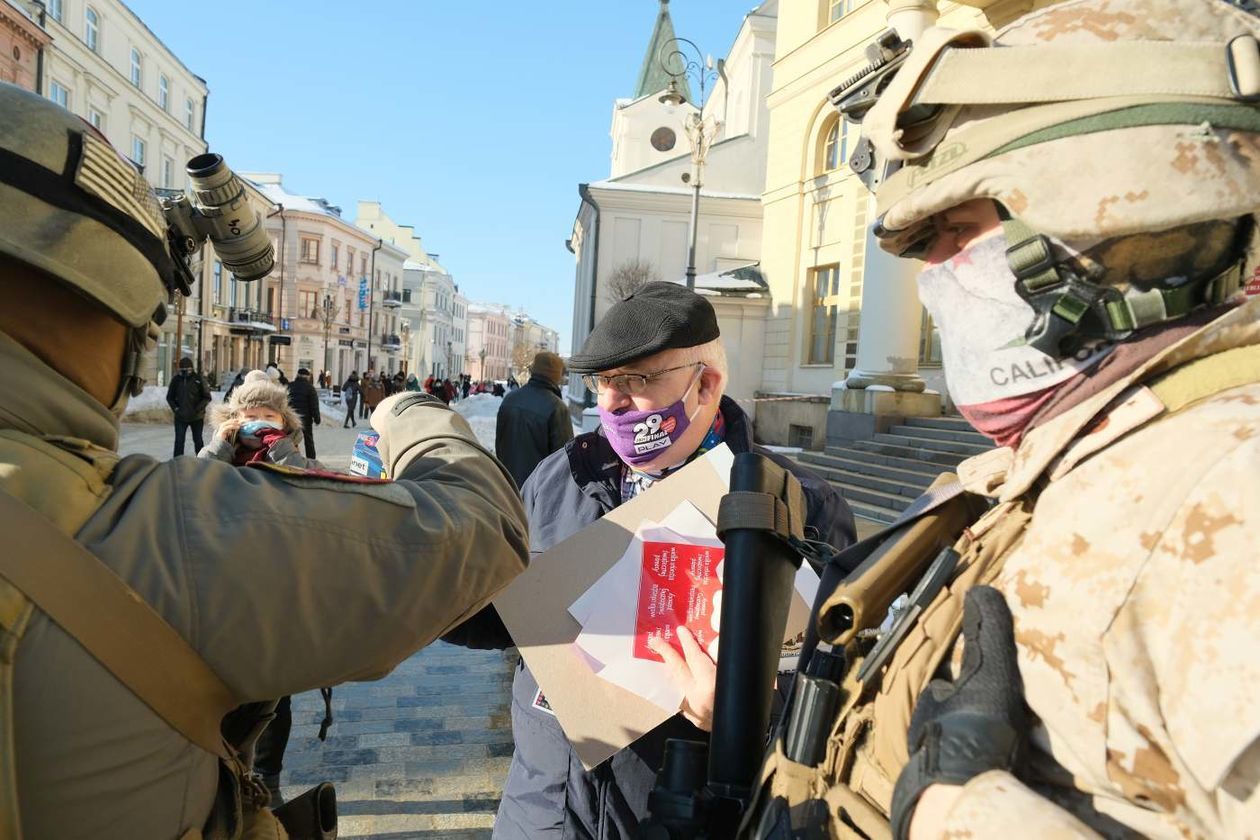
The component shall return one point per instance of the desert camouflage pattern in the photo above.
(1136, 599)
(1096, 182)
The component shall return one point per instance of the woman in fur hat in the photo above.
(257, 424)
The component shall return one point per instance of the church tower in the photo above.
(644, 130)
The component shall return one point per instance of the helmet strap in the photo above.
(1072, 312)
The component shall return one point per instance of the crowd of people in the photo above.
(1075, 653)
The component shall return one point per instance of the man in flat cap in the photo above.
(658, 366)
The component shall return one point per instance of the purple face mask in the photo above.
(639, 437)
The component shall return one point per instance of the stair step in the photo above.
(954, 424)
(851, 453)
(900, 482)
(877, 498)
(873, 513)
(910, 452)
(973, 438)
(965, 450)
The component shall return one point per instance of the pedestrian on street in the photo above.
(533, 421)
(464, 384)
(447, 391)
(413, 384)
(371, 394)
(305, 401)
(188, 395)
(147, 601)
(350, 394)
(236, 383)
(274, 372)
(259, 423)
(657, 354)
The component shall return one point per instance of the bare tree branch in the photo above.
(629, 277)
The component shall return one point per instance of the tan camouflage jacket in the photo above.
(1136, 598)
(282, 581)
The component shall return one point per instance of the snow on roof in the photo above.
(269, 184)
(652, 188)
(741, 280)
(416, 265)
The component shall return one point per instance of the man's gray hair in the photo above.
(713, 354)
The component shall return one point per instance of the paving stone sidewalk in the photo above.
(421, 753)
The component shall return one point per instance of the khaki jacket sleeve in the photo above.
(297, 581)
(996, 805)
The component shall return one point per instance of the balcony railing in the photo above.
(252, 320)
(391, 300)
(391, 342)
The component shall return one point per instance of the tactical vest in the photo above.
(849, 794)
(49, 488)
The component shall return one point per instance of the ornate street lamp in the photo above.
(682, 59)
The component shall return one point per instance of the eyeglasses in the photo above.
(630, 384)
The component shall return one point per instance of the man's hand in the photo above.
(227, 431)
(694, 672)
(967, 727)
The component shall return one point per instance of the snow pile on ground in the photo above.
(149, 407)
(332, 410)
(480, 411)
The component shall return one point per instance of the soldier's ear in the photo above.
(710, 385)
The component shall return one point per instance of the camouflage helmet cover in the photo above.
(72, 207)
(1087, 119)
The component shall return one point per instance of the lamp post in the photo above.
(481, 371)
(405, 329)
(681, 58)
(327, 315)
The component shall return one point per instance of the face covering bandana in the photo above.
(250, 433)
(639, 437)
(982, 320)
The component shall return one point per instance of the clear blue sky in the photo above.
(475, 122)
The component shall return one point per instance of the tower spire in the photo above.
(652, 75)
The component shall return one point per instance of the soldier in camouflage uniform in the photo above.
(84, 271)
(1083, 193)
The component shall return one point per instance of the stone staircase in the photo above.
(881, 476)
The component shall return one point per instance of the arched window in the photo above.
(91, 29)
(835, 145)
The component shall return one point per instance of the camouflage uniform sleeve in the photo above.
(298, 580)
(997, 805)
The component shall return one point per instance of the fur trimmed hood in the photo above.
(257, 391)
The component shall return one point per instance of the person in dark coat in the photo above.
(533, 421)
(188, 395)
(350, 393)
(236, 382)
(304, 399)
(659, 354)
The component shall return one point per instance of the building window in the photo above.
(168, 173)
(310, 250)
(135, 67)
(54, 10)
(190, 114)
(837, 9)
(929, 342)
(92, 30)
(824, 303)
(164, 93)
(363, 264)
(349, 261)
(835, 150)
(97, 119)
(334, 257)
(218, 282)
(308, 304)
(60, 94)
(137, 152)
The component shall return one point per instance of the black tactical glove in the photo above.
(962, 729)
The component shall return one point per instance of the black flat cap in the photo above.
(659, 316)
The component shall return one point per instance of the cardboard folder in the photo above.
(598, 717)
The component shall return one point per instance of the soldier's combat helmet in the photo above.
(1087, 120)
(75, 209)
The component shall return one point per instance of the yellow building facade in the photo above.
(816, 218)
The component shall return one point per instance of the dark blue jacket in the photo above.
(548, 793)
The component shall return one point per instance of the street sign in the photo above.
(280, 339)
(284, 323)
